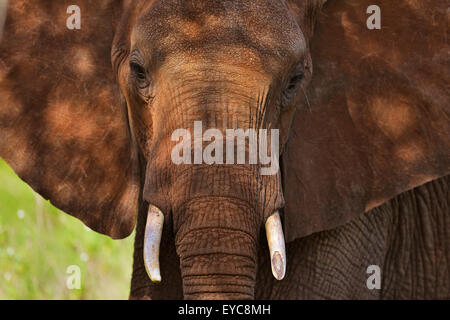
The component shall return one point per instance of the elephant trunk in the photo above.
(217, 247)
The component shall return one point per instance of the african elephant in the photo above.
(87, 116)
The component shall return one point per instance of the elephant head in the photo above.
(87, 118)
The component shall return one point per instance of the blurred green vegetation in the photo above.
(38, 243)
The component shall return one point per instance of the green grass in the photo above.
(38, 243)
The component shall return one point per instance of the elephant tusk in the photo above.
(152, 241)
(277, 248)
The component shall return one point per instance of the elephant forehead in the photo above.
(259, 29)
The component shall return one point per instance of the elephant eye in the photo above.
(138, 72)
(294, 81)
(291, 87)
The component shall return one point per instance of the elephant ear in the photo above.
(63, 125)
(377, 123)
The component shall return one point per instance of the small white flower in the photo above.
(10, 251)
(84, 257)
(21, 214)
(7, 276)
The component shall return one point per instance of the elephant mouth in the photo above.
(154, 230)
